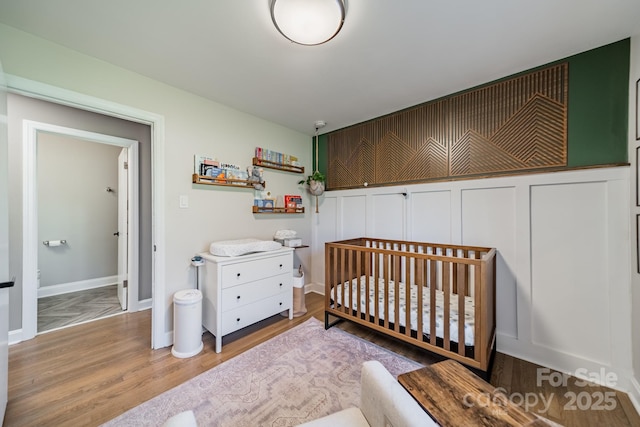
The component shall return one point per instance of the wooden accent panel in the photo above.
(516, 125)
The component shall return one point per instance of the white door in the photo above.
(4, 251)
(123, 228)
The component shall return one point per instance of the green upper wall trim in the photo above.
(598, 107)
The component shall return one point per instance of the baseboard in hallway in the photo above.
(77, 307)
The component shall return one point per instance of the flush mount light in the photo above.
(308, 22)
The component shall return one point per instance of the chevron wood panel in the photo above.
(516, 125)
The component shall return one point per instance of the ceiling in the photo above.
(390, 54)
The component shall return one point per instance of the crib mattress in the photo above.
(242, 247)
(469, 306)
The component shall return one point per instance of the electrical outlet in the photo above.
(184, 201)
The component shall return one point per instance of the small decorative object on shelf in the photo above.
(278, 166)
(255, 177)
(277, 210)
(217, 180)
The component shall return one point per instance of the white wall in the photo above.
(634, 150)
(193, 125)
(563, 260)
(73, 205)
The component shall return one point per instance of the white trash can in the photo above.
(187, 323)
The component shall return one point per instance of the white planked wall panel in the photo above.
(488, 220)
(569, 269)
(352, 217)
(563, 267)
(388, 215)
(430, 216)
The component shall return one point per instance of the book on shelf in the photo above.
(235, 174)
(292, 201)
(217, 174)
(276, 157)
(200, 162)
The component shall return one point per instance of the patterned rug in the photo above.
(299, 375)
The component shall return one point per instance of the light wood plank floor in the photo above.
(90, 373)
(76, 307)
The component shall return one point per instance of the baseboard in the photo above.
(82, 285)
(15, 336)
(318, 288)
(145, 304)
(634, 394)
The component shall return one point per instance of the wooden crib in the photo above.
(434, 288)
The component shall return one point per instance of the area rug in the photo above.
(300, 375)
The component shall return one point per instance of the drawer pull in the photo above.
(281, 303)
(238, 275)
(238, 297)
(238, 319)
(280, 284)
(280, 266)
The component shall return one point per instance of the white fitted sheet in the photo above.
(469, 307)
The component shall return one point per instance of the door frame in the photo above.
(30, 88)
(30, 131)
(122, 229)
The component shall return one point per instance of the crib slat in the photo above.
(407, 288)
(385, 278)
(462, 291)
(376, 285)
(358, 275)
(446, 288)
(477, 312)
(421, 300)
(454, 279)
(396, 293)
(345, 285)
(367, 275)
(432, 303)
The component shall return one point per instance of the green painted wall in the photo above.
(598, 107)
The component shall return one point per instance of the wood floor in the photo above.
(90, 373)
(76, 307)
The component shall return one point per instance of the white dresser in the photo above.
(240, 291)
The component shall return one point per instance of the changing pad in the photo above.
(242, 247)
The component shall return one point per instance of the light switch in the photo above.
(184, 201)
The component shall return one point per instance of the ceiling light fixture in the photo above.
(308, 22)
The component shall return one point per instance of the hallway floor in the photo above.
(76, 307)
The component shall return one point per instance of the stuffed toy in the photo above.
(255, 177)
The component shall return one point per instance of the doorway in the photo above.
(152, 204)
(125, 154)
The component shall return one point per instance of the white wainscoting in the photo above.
(563, 267)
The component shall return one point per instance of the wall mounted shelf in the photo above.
(259, 210)
(228, 182)
(277, 166)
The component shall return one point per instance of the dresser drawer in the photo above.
(240, 295)
(252, 313)
(249, 271)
